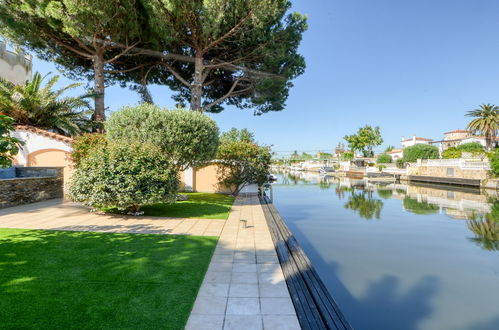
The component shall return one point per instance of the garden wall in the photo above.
(31, 184)
(443, 172)
(202, 179)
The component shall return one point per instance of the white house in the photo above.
(396, 153)
(413, 141)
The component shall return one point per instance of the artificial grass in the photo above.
(199, 205)
(87, 280)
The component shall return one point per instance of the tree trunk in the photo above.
(488, 140)
(197, 85)
(99, 114)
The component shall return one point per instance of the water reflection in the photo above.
(365, 205)
(486, 230)
(480, 210)
(417, 207)
(431, 251)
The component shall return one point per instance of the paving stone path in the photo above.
(57, 214)
(244, 287)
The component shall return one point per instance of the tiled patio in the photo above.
(244, 287)
(57, 214)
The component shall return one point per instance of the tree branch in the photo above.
(229, 33)
(70, 48)
(176, 74)
(126, 50)
(230, 93)
(125, 70)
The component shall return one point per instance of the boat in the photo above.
(325, 170)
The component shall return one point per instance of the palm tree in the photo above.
(486, 122)
(42, 107)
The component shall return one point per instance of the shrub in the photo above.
(9, 146)
(242, 162)
(347, 155)
(451, 153)
(420, 151)
(124, 175)
(187, 138)
(494, 162)
(473, 147)
(84, 144)
(384, 159)
(381, 167)
(400, 163)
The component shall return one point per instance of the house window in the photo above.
(450, 171)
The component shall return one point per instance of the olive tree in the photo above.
(186, 138)
(124, 175)
(420, 151)
(242, 162)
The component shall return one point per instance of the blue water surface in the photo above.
(398, 256)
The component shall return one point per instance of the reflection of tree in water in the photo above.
(340, 191)
(324, 185)
(486, 230)
(364, 204)
(385, 193)
(412, 205)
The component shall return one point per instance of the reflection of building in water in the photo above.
(456, 204)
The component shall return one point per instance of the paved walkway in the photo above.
(244, 287)
(57, 214)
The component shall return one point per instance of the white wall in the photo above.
(34, 142)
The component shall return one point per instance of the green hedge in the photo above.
(384, 159)
(470, 147)
(420, 151)
(452, 153)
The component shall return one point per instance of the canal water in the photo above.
(398, 256)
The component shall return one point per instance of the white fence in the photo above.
(466, 164)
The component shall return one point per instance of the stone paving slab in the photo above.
(244, 287)
(58, 214)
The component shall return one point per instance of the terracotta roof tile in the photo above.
(417, 139)
(43, 132)
(457, 131)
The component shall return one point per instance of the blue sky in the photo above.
(410, 67)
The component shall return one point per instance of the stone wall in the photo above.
(445, 172)
(45, 183)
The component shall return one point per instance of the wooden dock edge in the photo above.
(315, 307)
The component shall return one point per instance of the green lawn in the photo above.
(199, 205)
(82, 280)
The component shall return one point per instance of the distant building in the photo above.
(15, 66)
(461, 136)
(396, 153)
(413, 141)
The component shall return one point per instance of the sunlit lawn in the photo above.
(199, 205)
(82, 280)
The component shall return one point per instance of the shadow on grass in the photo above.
(58, 279)
(199, 205)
